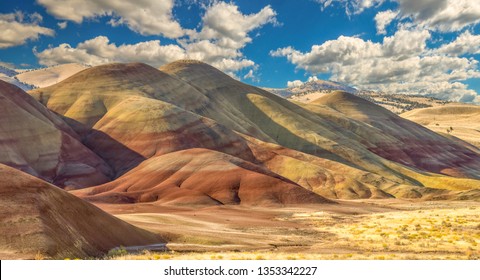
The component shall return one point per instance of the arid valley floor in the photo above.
(376, 230)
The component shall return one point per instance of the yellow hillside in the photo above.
(457, 120)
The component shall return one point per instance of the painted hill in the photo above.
(403, 141)
(341, 146)
(48, 76)
(201, 176)
(37, 218)
(452, 120)
(132, 123)
(35, 140)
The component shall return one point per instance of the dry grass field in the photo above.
(382, 229)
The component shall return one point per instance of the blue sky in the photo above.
(401, 46)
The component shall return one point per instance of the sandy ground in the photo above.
(373, 229)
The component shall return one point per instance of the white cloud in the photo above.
(296, 83)
(435, 15)
(143, 16)
(8, 65)
(405, 43)
(251, 75)
(230, 65)
(352, 6)
(100, 51)
(17, 28)
(401, 63)
(225, 24)
(62, 25)
(383, 19)
(441, 15)
(466, 43)
(224, 32)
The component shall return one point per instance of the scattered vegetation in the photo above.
(451, 233)
(400, 103)
(117, 252)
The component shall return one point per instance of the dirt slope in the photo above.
(40, 143)
(37, 218)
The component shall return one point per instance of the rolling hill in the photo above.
(48, 76)
(39, 220)
(452, 120)
(9, 75)
(37, 141)
(339, 146)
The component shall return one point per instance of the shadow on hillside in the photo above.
(118, 156)
(304, 145)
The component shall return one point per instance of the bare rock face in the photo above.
(37, 218)
(35, 140)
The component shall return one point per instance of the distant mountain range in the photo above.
(311, 87)
(397, 103)
(28, 79)
(10, 76)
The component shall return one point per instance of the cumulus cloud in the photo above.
(441, 15)
(99, 50)
(435, 15)
(401, 63)
(223, 33)
(383, 19)
(466, 43)
(143, 16)
(18, 27)
(225, 24)
(296, 83)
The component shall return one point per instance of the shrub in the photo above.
(117, 252)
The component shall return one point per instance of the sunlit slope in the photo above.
(340, 148)
(153, 127)
(201, 176)
(461, 121)
(144, 112)
(400, 140)
(38, 142)
(125, 115)
(40, 220)
(48, 76)
(292, 126)
(128, 114)
(337, 180)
